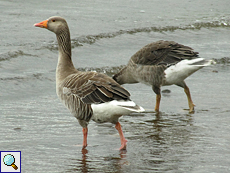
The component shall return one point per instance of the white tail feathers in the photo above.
(111, 111)
(129, 105)
(117, 107)
(177, 73)
(200, 62)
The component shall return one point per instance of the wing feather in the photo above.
(93, 87)
(163, 52)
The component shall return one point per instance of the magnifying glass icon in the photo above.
(9, 160)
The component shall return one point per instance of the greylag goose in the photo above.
(87, 95)
(162, 63)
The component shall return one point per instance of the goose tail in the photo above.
(202, 62)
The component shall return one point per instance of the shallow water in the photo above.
(104, 36)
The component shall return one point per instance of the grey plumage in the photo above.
(81, 89)
(87, 95)
(149, 65)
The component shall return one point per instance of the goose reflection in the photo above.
(107, 163)
(84, 165)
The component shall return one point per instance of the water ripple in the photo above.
(224, 60)
(13, 54)
(91, 39)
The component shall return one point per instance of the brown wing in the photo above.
(91, 87)
(163, 52)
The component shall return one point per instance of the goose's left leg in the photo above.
(85, 133)
(123, 140)
(157, 90)
(187, 92)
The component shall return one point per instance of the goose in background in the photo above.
(162, 63)
(87, 95)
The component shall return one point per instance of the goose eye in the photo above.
(53, 20)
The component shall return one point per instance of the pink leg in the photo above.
(123, 140)
(85, 132)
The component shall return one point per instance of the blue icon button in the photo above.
(9, 160)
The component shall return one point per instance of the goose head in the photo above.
(55, 24)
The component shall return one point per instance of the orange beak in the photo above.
(42, 24)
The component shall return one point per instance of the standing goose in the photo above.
(162, 63)
(88, 95)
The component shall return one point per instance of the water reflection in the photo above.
(84, 165)
(93, 163)
(79, 165)
(123, 160)
(165, 136)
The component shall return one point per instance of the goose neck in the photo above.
(65, 65)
